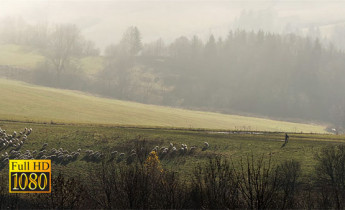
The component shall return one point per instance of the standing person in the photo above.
(286, 138)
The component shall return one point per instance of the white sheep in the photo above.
(206, 145)
(193, 148)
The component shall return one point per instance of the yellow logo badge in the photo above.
(30, 176)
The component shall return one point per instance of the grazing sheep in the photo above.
(163, 148)
(184, 146)
(29, 131)
(206, 146)
(155, 149)
(192, 149)
(121, 156)
(165, 151)
(113, 154)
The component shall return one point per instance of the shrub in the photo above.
(330, 171)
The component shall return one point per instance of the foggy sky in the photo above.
(105, 21)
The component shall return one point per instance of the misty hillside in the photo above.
(253, 73)
(262, 73)
(26, 57)
(41, 104)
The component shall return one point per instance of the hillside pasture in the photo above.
(236, 146)
(25, 102)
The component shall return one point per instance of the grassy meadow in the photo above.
(72, 120)
(25, 57)
(301, 147)
(25, 102)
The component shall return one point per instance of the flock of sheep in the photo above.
(172, 149)
(14, 142)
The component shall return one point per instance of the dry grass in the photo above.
(25, 102)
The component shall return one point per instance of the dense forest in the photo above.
(283, 76)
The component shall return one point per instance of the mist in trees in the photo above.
(255, 72)
(282, 76)
(245, 72)
(61, 45)
(125, 76)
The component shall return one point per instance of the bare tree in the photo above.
(330, 171)
(259, 183)
(63, 44)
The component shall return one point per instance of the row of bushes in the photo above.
(254, 183)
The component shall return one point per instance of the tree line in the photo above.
(282, 76)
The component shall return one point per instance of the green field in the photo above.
(301, 147)
(25, 57)
(25, 102)
(72, 121)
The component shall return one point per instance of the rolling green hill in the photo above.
(25, 102)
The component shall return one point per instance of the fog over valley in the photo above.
(275, 59)
(104, 21)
